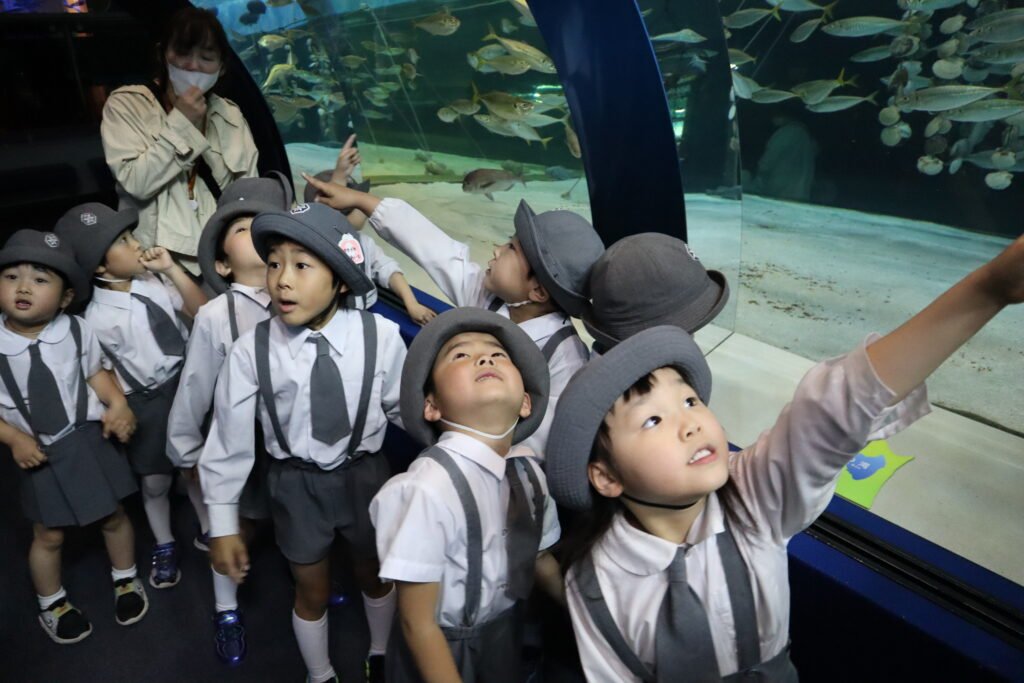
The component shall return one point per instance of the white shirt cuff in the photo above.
(223, 519)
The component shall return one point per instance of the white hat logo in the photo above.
(88, 218)
(51, 240)
(301, 208)
(690, 252)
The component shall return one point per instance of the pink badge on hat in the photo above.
(350, 245)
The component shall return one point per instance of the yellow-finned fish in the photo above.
(272, 41)
(444, 23)
(537, 59)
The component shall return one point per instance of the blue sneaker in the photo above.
(230, 637)
(165, 573)
(337, 599)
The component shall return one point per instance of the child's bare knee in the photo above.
(51, 539)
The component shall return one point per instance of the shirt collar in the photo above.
(644, 554)
(260, 295)
(111, 297)
(540, 328)
(335, 332)
(480, 453)
(12, 343)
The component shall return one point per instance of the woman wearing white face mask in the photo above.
(172, 145)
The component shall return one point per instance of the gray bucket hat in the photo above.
(90, 229)
(309, 194)
(561, 247)
(244, 197)
(651, 279)
(320, 229)
(47, 249)
(419, 364)
(594, 390)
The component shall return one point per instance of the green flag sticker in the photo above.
(863, 477)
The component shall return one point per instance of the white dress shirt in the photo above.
(228, 455)
(421, 526)
(447, 263)
(122, 326)
(57, 349)
(777, 488)
(208, 347)
(378, 266)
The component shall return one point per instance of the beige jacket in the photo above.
(151, 154)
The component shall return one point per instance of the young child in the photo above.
(51, 418)
(466, 528)
(324, 380)
(646, 280)
(377, 265)
(538, 278)
(680, 572)
(135, 298)
(233, 269)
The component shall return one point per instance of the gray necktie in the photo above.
(523, 537)
(683, 647)
(327, 408)
(168, 338)
(47, 408)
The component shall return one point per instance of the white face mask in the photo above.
(182, 80)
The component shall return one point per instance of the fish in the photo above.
(278, 3)
(393, 70)
(858, 27)
(995, 18)
(537, 59)
(272, 41)
(804, 30)
(391, 51)
(872, 54)
(540, 120)
(685, 35)
(889, 116)
(526, 132)
(1009, 31)
(999, 180)
(770, 96)
(369, 45)
(948, 48)
(377, 115)
(504, 105)
(414, 57)
(443, 23)
(436, 168)
(495, 124)
(813, 92)
(409, 71)
(390, 86)
(744, 86)
(739, 57)
(948, 69)
(561, 173)
(892, 135)
(509, 65)
(479, 64)
(353, 61)
(986, 110)
(927, 5)
(936, 126)
(802, 6)
(486, 181)
(277, 73)
(748, 17)
(572, 141)
(943, 97)
(337, 98)
(1005, 53)
(514, 167)
(929, 165)
(447, 114)
(1003, 159)
(508, 27)
(465, 107)
(256, 7)
(952, 25)
(839, 103)
(248, 19)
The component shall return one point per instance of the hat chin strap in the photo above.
(663, 506)
(518, 303)
(108, 279)
(495, 437)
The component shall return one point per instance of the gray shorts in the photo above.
(147, 449)
(309, 505)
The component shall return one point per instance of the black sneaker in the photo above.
(375, 669)
(64, 623)
(130, 601)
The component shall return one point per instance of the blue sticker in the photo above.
(863, 466)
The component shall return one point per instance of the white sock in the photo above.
(156, 500)
(225, 592)
(46, 600)
(379, 614)
(312, 637)
(195, 494)
(118, 574)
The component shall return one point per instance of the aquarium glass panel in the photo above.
(690, 47)
(457, 106)
(882, 152)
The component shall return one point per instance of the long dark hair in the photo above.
(188, 28)
(586, 529)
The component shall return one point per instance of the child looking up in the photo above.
(234, 270)
(133, 310)
(465, 530)
(679, 570)
(53, 421)
(538, 278)
(323, 380)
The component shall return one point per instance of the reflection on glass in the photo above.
(457, 108)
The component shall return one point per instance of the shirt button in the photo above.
(504, 532)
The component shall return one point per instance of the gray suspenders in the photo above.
(266, 383)
(555, 340)
(137, 386)
(495, 304)
(741, 599)
(232, 316)
(82, 407)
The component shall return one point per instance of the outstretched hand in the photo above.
(334, 195)
(1005, 274)
(348, 159)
